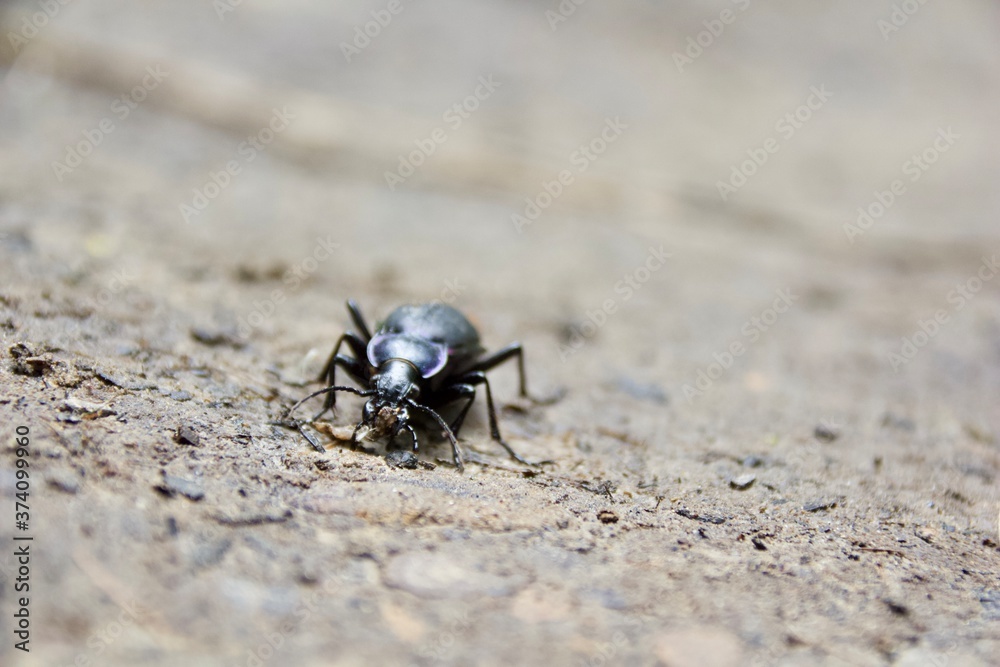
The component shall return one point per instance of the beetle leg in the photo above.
(358, 347)
(352, 366)
(500, 356)
(456, 451)
(413, 438)
(479, 377)
(359, 321)
(315, 445)
(452, 394)
(391, 445)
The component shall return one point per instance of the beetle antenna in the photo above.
(366, 392)
(455, 451)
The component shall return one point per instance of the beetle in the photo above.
(422, 358)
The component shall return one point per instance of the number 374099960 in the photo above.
(23, 485)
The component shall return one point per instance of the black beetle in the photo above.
(422, 358)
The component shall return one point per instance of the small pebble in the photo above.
(117, 380)
(215, 337)
(401, 458)
(695, 516)
(607, 516)
(743, 482)
(186, 435)
(173, 486)
(826, 432)
(64, 480)
(817, 505)
(86, 409)
(895, 607)
(28, 362)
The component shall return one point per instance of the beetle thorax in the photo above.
(396, 381)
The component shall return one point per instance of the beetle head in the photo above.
(381, 419)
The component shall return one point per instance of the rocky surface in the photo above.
(779, 439)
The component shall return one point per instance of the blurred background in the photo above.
(731, 228)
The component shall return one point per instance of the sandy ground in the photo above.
(779, 439)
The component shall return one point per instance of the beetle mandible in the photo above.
(422, 358)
